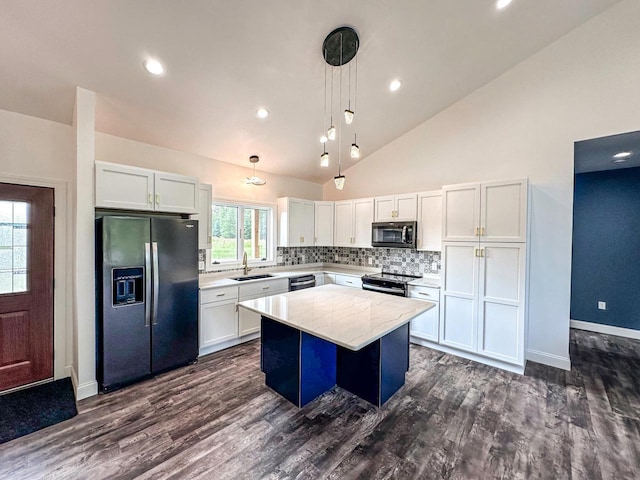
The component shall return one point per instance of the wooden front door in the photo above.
(26, 285)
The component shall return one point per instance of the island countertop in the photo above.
(348, 317)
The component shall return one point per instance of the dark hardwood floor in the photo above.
(453, 419)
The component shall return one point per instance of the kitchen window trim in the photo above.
(225, 265)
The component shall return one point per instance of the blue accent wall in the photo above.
(606, 248)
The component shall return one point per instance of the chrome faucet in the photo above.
(245, 265)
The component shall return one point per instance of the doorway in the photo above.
(26, 284)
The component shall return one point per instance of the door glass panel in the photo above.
(13, 246)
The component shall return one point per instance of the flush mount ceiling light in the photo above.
(338, 49)
(254, 180)
(395, 85)
(622, 155)
(500, 4)
(262, 113)
(153, 66)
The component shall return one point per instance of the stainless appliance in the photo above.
(390, 283)
(394, 234)
(146, 297)
(301, 282)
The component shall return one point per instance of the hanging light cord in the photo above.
(324, 115)
(340, 126)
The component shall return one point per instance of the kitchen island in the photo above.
(331, 335)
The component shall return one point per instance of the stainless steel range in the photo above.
(390, 283)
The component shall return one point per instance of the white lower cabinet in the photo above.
(482, 305)
(329, 278)
(249, 322)
(218, 316)
(348, 281)
(426, 325)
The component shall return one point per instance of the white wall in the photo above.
(226, 178)
(524, 124)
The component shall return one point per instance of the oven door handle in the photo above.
(382, 289)
(308, 282)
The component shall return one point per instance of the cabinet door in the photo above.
(459, 296)
(323, 224)
(248, 321)
(348, 281)
(461, 213)
(503, 215)
(501, 301)
(406, 207)
(307, 230)
(425, 325)
(329, 278)
(384, 208)
(343, 231)
(204, 216)
(176, 193)
(218, 323)
(362, 219)
(430, 221)
(123, 187)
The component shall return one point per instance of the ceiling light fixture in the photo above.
(355, 149)
(620, 160)
(500, 4)
(338, 49)
(622, 155)
(153, 66)
(254, 180)
(262, 113)
(395, 85)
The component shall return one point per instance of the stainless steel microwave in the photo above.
(394, 234)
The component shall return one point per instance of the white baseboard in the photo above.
(608, 329)
(469, 356)
(85, 390)
(550, 359)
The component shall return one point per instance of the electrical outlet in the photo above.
(200, 265)
(602, 305)
(336, 258)
(303, 258)
(370, 260)
(279, 259)
(434, 266)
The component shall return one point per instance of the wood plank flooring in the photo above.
(453, 419)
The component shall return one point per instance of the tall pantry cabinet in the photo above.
(484, 248)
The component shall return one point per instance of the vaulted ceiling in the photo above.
(224, 59)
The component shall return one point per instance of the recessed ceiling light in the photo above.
(500, 4)
(262, 112)
(622, 155)
(395, 85)
(153, 66)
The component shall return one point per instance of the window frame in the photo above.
(271, 235)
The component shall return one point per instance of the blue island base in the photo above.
(301, 367)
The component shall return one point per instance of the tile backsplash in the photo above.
(412, 262)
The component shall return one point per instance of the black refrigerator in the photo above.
(146, 298)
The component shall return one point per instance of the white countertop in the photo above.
(224, 279)
(349, 317)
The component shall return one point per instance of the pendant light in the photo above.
(254, 180)
(338, 49)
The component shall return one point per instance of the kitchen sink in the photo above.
(251, 277)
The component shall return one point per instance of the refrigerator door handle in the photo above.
(156, 284)
(147, 276)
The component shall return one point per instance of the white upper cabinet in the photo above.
(353, 220)
(503, 216)
(430, 221)
(176, 193)
(396, 208)
(295, 222)
(124, 187)
(324, 224)
(132, 188)
(486, 212)
(204, 216)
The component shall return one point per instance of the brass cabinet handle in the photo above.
(158, 198)
(477, 231)
(482, 231)
(150, 198)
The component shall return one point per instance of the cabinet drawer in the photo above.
(425, 293)
(218, 294)
(349, 281)
(265, 287)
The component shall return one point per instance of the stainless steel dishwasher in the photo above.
(302, 282)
